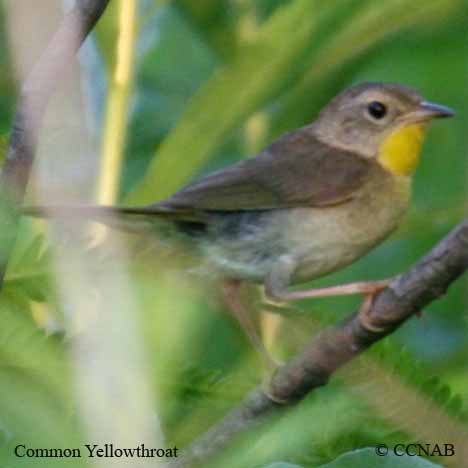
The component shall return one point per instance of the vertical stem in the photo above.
(256, 126)
(255, 131)
(115, 129)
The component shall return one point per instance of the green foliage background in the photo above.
(198, 81)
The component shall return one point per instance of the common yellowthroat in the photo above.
(313, 202)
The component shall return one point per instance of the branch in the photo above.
(35, 94)
(427, 280)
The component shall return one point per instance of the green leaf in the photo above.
(3, 147)
(370, 27)
(258, 73)
(28, 269)
(26, 349)
(282, 465)
(214, 21)
(367, 458)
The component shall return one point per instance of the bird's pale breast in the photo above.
(328, 239)
(320, 240)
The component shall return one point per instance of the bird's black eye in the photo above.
(377, 110)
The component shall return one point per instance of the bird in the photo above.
(313, 202)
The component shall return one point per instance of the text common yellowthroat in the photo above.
(314, 201)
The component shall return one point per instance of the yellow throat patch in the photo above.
(399, 153)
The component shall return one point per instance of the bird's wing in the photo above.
(297, 170)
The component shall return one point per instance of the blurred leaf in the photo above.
(7, 84)
(369, 27)
(266, 8)
(163, 86)
(28, 270)
(3, 148)
(367, 458)
(282, 465)
(257, 74)
(214, 21)
(399, 361)
(36, 404)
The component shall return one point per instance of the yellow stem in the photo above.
(256, 126)
(115, 130)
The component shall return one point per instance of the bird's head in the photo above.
(386, 121)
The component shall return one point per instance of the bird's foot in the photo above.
(267, 389)
(373, 289)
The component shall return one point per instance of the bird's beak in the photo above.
(427, 111)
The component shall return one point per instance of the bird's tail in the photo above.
(130, 219)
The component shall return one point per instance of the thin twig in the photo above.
(427, 280)
(35, 94)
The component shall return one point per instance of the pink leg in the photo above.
(231, 292)
(367, 288)
(363, 287)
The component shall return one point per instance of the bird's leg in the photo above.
(363, 287)
(277, 282)
(231, 291)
